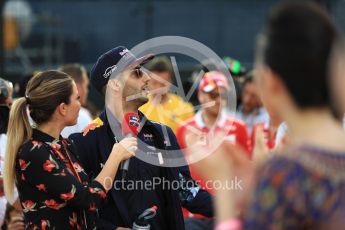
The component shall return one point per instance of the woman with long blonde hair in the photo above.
(54, 191)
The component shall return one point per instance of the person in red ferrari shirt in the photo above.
(265, 133)
(212, 117)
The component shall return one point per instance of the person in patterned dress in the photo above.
(302, 187)
(54, 190)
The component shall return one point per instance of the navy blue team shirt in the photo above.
(124, 204)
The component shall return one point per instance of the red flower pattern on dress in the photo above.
(53, 168)
(61, 173)
(45, 224)
(55, 146)
(70, 195)
(77, 167)
(50, 164)
(53, 204)
(73, 221)
(29, 206)
(102, 194)
(41, 187)
(23, 165)
(92, 207)
(70, 171)
(36, 144)
(99, 191)
(93, 190)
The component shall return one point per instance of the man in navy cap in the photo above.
(124, 203)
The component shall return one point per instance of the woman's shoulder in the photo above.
(320, 160)
(308, 163)
(31, 146)
(279, 165)
(305, 177)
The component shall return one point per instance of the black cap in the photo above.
(115, 60)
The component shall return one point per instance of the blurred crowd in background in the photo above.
(255, 128)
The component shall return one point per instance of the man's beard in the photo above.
(135, 97)
(142, 100)
(138, 101)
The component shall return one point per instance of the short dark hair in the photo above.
(74, 70)
(248, 78)
(298, 43)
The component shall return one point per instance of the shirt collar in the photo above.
(201, 124)
(116, 124)
(44, 137)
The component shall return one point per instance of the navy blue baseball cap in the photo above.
(113, 62)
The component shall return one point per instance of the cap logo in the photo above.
(124, 52)
(109, 71)
(134, 121)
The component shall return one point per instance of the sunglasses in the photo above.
(138, 72)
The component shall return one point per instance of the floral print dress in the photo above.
(54, 190)
(304, 188)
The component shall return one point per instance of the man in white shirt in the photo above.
(79, 75)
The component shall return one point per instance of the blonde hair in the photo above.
(19, 131)
(44, 92)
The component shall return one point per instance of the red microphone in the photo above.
(130, 125)
(130, 128)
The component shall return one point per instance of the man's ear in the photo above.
(114, 84)
(201, 97)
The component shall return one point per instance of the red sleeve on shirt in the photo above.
(180, 136)
(242, 136)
